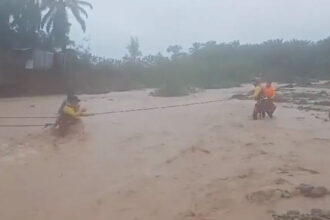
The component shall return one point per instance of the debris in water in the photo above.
(314, 214)
(311, 191)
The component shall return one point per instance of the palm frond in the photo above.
(85, 3)
(49, 25)
(47, 17)
(77, 15)
(83, 11)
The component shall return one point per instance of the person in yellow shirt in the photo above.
(258, 91)
(72, 110)
(70, 114)
(258, 95)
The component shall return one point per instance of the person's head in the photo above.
(69, 95)
(269, 83)
(256, 82)
(73, 100)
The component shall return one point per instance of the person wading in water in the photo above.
(69, 114)
(268, 103)
(258, 95)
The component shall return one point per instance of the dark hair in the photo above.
(69, 96)
(73, 98)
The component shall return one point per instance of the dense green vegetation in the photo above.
(44, 24)
(219, 65)
(39, 23)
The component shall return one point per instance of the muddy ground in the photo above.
(198, 162)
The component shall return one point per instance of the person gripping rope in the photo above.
(258, 95)
(68, 97)
(69, 114)
(269, 90)
(268, 103)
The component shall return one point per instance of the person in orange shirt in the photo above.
(269, 94)
(269, 90)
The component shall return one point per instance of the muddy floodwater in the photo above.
(209, 161)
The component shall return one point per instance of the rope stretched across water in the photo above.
(161, 107)
(27, 117)
(100, 113)
(26, 126)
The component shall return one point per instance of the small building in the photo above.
(31, 59)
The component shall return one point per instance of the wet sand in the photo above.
(198, 162)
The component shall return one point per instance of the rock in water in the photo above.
(311, 191)
(315, 214)
(293, 212)
(318, 192)
(305, 188)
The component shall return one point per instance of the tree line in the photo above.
(45, 24)
(218, 65)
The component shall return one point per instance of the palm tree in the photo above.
(27, 22)
(175, 50)
(195, 47)
(134, 49)
(56, 20)
(8, 10)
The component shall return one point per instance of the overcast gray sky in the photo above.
(159, 23)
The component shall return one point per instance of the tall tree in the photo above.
(8, 9)
(175, 50)
(195, 47)
(56, 20)
(27, 21)
(134, 49)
